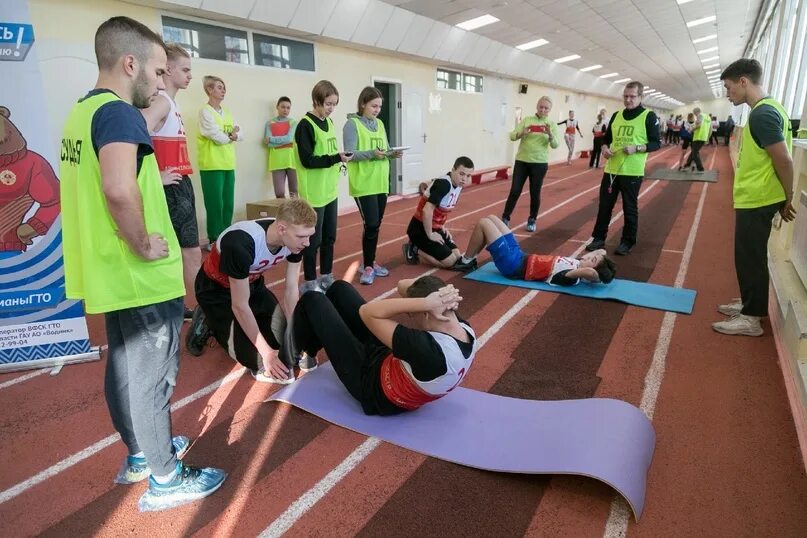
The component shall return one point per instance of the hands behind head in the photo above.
(443, 301)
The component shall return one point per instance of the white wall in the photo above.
(475, 125)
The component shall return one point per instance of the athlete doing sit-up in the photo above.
(511, 261)
(387, 366)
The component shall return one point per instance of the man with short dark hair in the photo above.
(121, 256)
(632, 133)
(763, 186)
(428, 236)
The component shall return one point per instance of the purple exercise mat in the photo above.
(609, 440)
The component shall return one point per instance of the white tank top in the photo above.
(562, 263)
(456, 364)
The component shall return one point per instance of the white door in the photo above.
(413, 107)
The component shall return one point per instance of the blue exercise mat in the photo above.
(679, 300)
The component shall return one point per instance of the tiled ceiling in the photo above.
(647, 40)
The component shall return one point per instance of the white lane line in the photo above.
(311, 497)
(672, 251)
(620, 514)
(22, 378)
(91, 450)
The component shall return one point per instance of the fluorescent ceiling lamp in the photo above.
(591, 68)
(532, 44)
(682, 2)
(704, 38)
(609, 75)
(710, 59)
(711, 66)
(698, 22)
(621, 80)
(704, 51)
(478, 22)
(568, 58)
(713, 71)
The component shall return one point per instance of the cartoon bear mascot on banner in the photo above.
(26, 178)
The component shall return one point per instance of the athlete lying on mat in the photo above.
(511, 261)
(387, 366)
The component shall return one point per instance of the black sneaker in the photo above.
(623, 249)
(464, 267)
(410, 253)
(198, 333)
(307, 363)
(188, 315)
(595, 244)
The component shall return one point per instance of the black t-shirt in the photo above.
(118, 121)
(306, 140)
(237, 252)
(766, 126)
(651, 127)
(438, 190)
(417, 348)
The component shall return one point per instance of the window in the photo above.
(454, 80)
(207, 41)
(284, 53)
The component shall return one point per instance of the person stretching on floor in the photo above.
(235, 305)
(385, 365)
(427, 232)
(511, 261)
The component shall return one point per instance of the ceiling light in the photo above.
(710, 49)
(532, 44)
(609, 75)
(682, 2)
(621, 80)
(698, 22)
(705, 38)
(710, 59)
(711, 66)
(477, 22)
(713, 71)
(591, 68)
(568, 58)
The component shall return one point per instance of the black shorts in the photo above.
(417, 235)
(686, 143)
(182, 209)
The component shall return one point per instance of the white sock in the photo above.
(467, 260)
(140, 454)
(165, 478)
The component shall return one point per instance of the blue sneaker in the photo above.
(189, 484)
(136, 468)
(367, 276)
(380, 270)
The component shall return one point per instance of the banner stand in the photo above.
(54, 362)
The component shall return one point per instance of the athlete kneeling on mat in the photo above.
(511, 261)
(235, 306)
(427, 233)
(389, 367)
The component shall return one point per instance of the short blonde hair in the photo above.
(175, 51)
(297, 211)
(547, 99)
(209, 81)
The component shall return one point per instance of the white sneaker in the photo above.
(261, 377)
(739, 324)
(732, 308)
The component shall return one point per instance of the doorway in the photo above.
(391, 116)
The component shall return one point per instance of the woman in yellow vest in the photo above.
(279, 138)
(217, 133)
(365, 136)
(318, 163)
(700, 136)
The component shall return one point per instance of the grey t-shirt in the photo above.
(767, 125)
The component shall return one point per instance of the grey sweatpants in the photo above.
(141, 373)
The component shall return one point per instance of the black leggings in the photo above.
(331, 321)
(596, 152)
(323, 239)
(695, 155)
(521, 171)
(371, 208)
(217, 305)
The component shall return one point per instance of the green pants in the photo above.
(218, 189)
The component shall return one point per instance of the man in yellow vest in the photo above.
(632, 133)
(763, 186)
(703, 129)
(122, 257)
